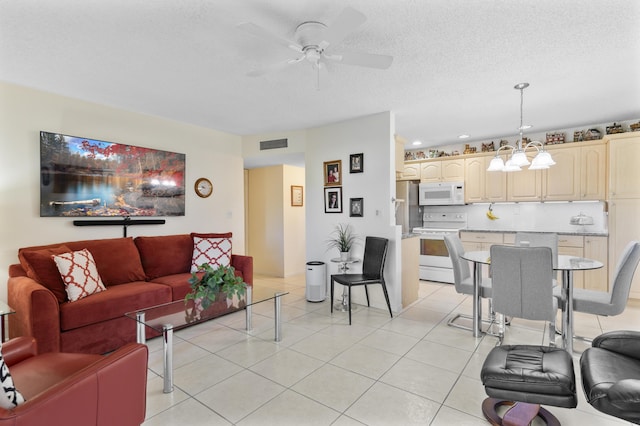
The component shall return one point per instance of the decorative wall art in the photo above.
(332, 173)
(355, 207)
(356, 163)
(87, 177)
(296, 196)
(333, 200)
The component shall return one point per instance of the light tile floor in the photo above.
(412, 369)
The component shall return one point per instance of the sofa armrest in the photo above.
(624, 342)
(624, 395)
(243, 264)
(19, 349)
(111, 391)
(37, 313)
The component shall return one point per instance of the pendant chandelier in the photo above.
(518, 158)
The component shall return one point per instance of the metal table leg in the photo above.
(140, 331)
(248, 310)
(567, 312)
(477, 307)
(278, 324)
(167, 350)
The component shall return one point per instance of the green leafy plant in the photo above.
(207, 286)
(342, 238)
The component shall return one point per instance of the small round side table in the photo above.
(343, 267)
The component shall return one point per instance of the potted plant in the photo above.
(343, 239)
(208, 282)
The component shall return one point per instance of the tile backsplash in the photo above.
(541, 217)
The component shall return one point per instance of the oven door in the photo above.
(433, 251)
(435, 263)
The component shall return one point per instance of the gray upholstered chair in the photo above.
(540, 239)
(614, 301)
(522, 285)
(610, 371)
(462, 278)
(525, 376)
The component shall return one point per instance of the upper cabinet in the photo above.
(480, 185)
(624, 173)
(411, 172)
(442, 170)
(562, 181)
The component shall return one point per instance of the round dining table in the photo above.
(566, 264)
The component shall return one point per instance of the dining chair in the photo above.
(540, 239)
(522, 285)
(614, 301)
(375, 253)
(463, 280)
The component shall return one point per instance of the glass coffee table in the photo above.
(177, 315)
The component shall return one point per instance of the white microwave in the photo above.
(441, 193)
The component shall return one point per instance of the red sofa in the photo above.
(76, 389)
(137, 273)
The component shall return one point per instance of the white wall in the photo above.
(373, 136)
(25, 112)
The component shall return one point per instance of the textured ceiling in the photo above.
(455, 62)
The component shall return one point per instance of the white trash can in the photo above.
(316, 279)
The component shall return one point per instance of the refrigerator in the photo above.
(408, 212)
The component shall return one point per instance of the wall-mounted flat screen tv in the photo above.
(88, 177)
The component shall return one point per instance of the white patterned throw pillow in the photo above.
(11, 397)
(214, 251)
(79, 274)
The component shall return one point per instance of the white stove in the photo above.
(435, 264)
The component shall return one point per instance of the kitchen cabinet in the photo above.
(411, 172)
(442, 170)
(474, 241)
(482, 186)
(410, 270)
(623, 228)
(525, 185)
(624, 173)
(399, 150)
(593, 172)
(562, 181)
(597, 248)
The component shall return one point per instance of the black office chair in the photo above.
(610, 371)
(375, 253)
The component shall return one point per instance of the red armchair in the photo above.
(76, 389)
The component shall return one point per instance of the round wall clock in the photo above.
(203, 187)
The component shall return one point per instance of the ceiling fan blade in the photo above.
(262, 33)
(348, 20)
(362, 59)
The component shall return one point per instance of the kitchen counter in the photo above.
(410, 235)
(578, 233)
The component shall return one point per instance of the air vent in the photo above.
(274, 144)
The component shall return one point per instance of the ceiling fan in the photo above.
(312, 39)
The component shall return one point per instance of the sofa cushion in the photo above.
(216, 251)
(10, 397)
(165, 255)
(117, 259)
(178, 283)
(113, 303)
(79, 273)
(40, 266)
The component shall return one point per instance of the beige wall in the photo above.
(25, 112)
(276, 230)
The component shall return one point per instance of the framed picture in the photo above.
(332, 173)
(355, 207)
(333, 200)
(356, 163)
(296, 196)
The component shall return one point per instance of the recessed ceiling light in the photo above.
(416, 143)
(463, 136)
(525, 127)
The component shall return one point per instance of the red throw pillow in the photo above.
(40, 267)
(214, 249)
(165, 255)
(79, 273)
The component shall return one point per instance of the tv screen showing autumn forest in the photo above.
(88, 177)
